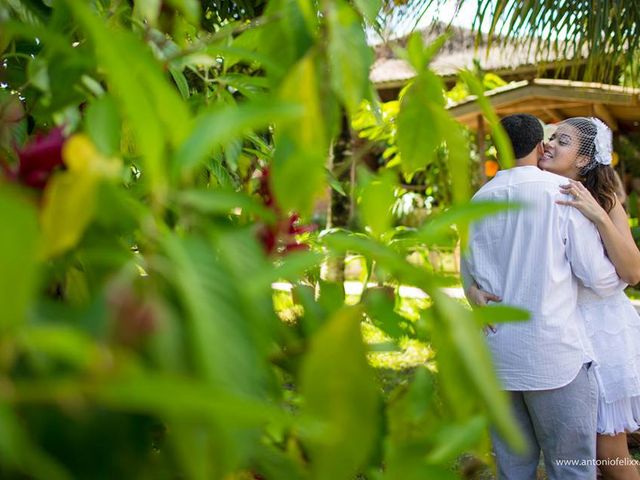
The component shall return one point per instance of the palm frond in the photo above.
(606, 37)
(603, 36)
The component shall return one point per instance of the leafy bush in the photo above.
(142, 238)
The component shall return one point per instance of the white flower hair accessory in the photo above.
(602, 142)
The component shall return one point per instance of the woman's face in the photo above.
(561, 153)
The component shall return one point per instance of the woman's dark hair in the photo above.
(601, 182)
(599, 179)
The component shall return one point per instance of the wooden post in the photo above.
(481, 147)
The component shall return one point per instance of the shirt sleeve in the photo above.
(465, 272)
(586, 254)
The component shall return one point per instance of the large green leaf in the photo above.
(457, 324)
(219, 334)
(438, 229)
(339, 390)
(19, 244)
(286, 38)
(421, 121)
(302, 148)
(350, 57)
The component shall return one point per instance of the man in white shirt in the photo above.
(530, 258)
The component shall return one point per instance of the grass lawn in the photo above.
(394, 362)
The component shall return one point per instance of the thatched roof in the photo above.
(459, 52)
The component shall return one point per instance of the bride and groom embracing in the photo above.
(573, 369)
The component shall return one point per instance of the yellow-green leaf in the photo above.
(339, 390)
(18, 257)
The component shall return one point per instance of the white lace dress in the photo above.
(613, 326)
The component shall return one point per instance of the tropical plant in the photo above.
(605, 37)
(159, 159)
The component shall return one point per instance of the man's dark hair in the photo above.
(525, 132)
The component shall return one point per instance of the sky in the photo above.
(463, 17)
(446, 12)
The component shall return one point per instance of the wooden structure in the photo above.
(554, 100)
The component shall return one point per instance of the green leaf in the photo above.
(156, 394)
(491, 314)
(273, 463)
(416, 53)
(456, 323)
(224, 202)
(291, 267)
(219, 126)
(20, 454)
(422, 121)
(376, 200)
(147, 10)
(458, 157)
(500, 137)
(438, 229)
(225, 331)
(369, 9)
(339, 390)
(381, 310)
(286, 39)
(302, 148)
(189, 8)
(456, 439)
(350, 57)
(181, 82)
(103, 125)
(335, 184)
(63, 343)
(157, 114)
(19, 244)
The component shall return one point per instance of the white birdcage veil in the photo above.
(595, 141)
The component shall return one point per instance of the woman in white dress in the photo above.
(580, 149)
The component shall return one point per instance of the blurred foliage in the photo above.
(426, 189)
(159, 163)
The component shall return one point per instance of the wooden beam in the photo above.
(540, 106)
(603, 113)
(481, 146)
(555, 114)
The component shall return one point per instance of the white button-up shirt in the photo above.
(531, 258)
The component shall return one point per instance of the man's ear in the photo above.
(540, 149)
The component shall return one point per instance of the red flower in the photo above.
(39, 158)
(285, 228)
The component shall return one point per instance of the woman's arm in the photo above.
(614, 231)
(618, 241)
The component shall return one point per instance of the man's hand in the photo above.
(480, 298)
